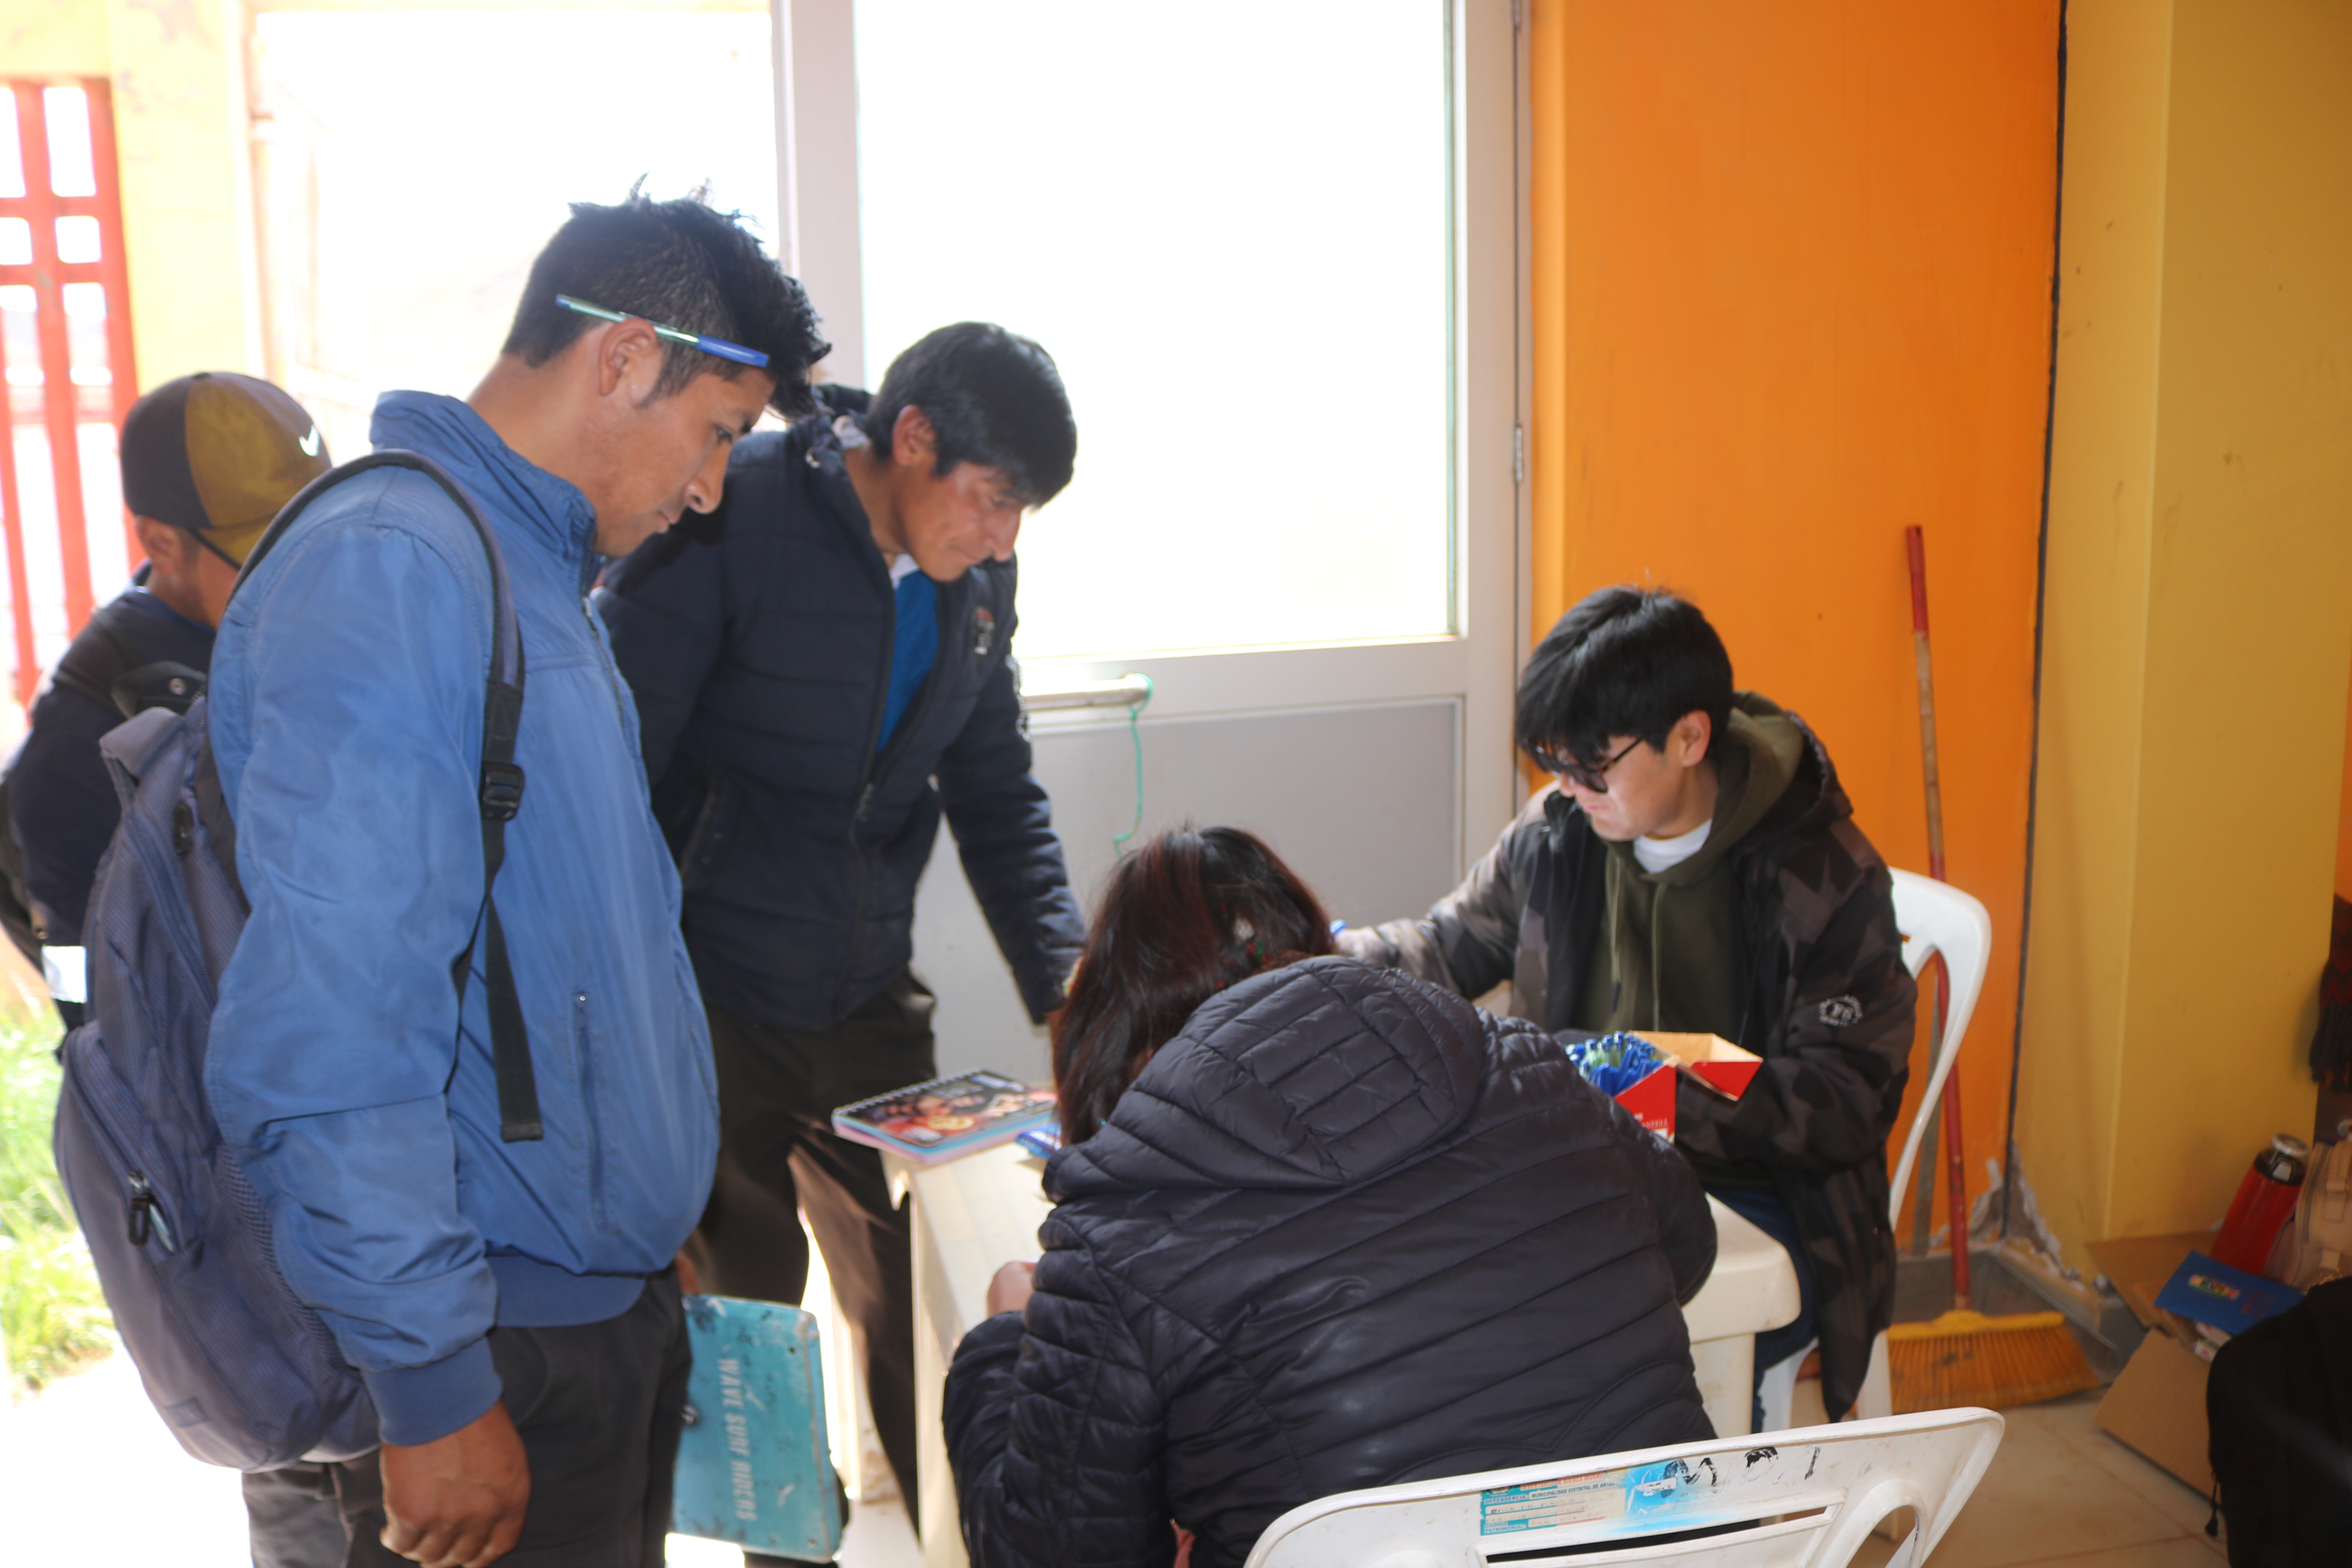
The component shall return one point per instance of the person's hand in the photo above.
(1010, 1289)
(459, 1501)
(1183, 1545)
(689, 1277)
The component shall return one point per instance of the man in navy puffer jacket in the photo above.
(1343, 1231)
(823, 671)
(360, 1094)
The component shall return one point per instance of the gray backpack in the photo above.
(245, 1374)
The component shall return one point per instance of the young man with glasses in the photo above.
(1696, 868)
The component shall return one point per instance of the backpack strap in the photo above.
(131, 746)
(164, 684)
(498, 790)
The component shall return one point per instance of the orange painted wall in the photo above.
(1791, 293)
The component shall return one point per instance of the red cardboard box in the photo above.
(1706, 1059)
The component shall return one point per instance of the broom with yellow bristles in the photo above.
(1965, 1357)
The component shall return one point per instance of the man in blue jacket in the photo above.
(823, 668)
(510, 1305)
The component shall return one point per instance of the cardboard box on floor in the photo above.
(2157, 1406)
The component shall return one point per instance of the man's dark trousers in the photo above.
(778, 1159)
(600, 1408)
(291, 1520)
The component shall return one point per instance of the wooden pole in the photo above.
(1955, 1156)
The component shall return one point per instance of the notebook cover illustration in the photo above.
(928, 1122)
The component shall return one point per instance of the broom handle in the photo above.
(1916, 544)
(1956, 1163)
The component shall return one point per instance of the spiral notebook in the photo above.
(928, 1122)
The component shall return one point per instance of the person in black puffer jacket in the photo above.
(1319, 1226)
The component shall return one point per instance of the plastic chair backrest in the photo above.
(1809, 1497)
(1937, 917)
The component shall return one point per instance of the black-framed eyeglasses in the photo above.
(1576, 772)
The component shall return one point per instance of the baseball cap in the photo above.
(218, 454)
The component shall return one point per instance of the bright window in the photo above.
(1228, 221)
(417, 161)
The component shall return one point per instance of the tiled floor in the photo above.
(2062, 1493)
(90, 1478)
(878, 1537)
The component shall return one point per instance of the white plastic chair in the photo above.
(1933, 917)
(1808, 1500)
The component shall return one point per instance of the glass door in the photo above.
(1273, 244)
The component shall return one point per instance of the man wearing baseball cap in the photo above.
(215, 456)
(208, 460)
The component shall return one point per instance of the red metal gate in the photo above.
(65, 354)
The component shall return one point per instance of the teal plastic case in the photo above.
(753, 1466)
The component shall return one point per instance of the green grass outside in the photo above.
(52, 1318)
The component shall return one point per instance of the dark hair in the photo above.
(995, 399)
(682, 265)
(1625, 661)
(1184, 917)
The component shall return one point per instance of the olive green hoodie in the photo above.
(1667, 957)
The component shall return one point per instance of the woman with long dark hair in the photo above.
(1317, 1226)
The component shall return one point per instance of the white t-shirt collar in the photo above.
(1658, 855)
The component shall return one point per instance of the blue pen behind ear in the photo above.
(719, 346)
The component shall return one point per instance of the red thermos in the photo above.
(2265, 1200)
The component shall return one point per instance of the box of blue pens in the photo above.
(1639, 1071)
(753, 1466)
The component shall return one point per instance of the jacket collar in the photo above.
(533, 503)
(813, 441)
(817, 443)
(1813, 796)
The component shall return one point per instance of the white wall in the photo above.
(1361, 801)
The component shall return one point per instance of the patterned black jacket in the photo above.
(1828, 1006)
(1344, 1230)
(757, 641)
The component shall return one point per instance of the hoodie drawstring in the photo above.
(1658, 958)
(1616, 884)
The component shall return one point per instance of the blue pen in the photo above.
(719, 346)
